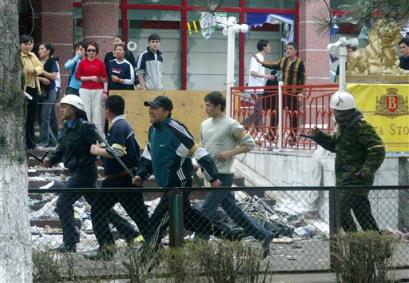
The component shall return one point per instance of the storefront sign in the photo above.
(386, 107)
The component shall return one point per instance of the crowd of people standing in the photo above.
(89, 78)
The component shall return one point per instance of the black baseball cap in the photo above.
(160, 101)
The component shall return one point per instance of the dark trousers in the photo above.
(227, 201)
(53, 116)
(132, 202)
(193, 219)
(291, 103)
(270, 102)
(31, 117)
(361, 207)
(73, 91)
(293, 111)
(47, 105)
(64, 208)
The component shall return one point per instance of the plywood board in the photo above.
(188, 108)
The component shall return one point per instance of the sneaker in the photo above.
(103, 253)
(66, 248)
(132, 241)
(238, 234)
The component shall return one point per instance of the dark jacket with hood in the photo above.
(74, 144)
(359, 151)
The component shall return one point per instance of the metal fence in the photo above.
(300, 220)
(277, 115)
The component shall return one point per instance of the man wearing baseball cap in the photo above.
(168, 156)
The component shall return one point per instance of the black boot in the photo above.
(64, 248)
(103, 253)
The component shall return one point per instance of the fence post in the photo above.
(175, 218)
(334, 221)
(280, 115)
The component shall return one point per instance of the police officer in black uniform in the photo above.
(77, 135)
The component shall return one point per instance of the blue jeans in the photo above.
(226, 200)
(47, 104)
(193, 220)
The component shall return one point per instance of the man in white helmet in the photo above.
(359, 153)
(76, 138)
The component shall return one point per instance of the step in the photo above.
(52, 223)
(39, 170)
(35, 182)
(32, 162)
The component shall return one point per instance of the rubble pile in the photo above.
(288, 223)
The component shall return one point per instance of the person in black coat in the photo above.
(76, 138)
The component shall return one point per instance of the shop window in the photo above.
(165, 23)
(77, 19)
(271, 4)
(337, 4)
(160, 2)
(207, 59)
(224, 3)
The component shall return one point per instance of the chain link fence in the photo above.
(290, 228)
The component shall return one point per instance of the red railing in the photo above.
(301, 109)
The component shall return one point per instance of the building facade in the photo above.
(192, 62)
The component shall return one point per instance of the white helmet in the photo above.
(342, 100)
(73, 100)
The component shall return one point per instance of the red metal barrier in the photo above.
(303, 108)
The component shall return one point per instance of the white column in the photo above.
(230, 62)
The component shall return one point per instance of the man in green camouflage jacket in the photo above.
(359, 153)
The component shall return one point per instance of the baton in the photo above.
(306, 136)
(110, 150)
(28, 96)
(38, 158)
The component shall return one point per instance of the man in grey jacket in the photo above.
(224, 138)
(149, 66)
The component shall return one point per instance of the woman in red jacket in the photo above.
(93, 91)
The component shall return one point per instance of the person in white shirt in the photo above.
(258, 77)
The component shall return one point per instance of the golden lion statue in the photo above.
(380, 56)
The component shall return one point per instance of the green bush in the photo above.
(219, 262)
(181, 264)
(363, 257)
(136, 270)
(46, 268)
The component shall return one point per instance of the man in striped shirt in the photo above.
(293, 73)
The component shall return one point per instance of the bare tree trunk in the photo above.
(15, 238)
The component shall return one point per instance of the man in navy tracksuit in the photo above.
(168, 156)
(121, 139)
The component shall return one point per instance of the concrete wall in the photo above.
(301, 168)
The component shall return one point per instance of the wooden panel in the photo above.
(188, 108)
